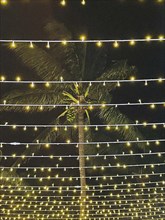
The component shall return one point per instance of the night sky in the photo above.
(98, 19)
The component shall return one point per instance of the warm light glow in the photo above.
(32, 85)
(31, 44)
(63, 3)
(83, 2)
(152, 106)
(13, 45)
(116, 44)
(64, 42)
(18, 78)
(148, 38)
(48, 45)
(3, 78)
(132, 42)
(132, 78)
(82, 37)
(4, 2)
(47, 84)
(99, 44)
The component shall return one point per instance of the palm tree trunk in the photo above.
(81, 163)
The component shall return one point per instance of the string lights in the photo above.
(115, 42)
(125, 184)
(64, 3)
(85, 126)
(62, 81)
(90, 106)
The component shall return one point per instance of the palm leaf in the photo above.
(70, 96)
(64, 54)
(118, 71)
(30, 96)
(111, 115)
(41, 62)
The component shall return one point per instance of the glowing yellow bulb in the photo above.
(132, 42)
(31, 44)
(32, 85)
(152, 106)
(18, 78)
(91, 107)
(14, 127)
(48, 45)
(99, 44)
(47, 145)
(160, 1)
(4, 2)
(161, 38)
(63, 3)
(3, 78)
(116, 44)
(160, 80)
(64, 42)
(82, 37)
(128, 144)
(41, 108)
(68, 141)
(13, 45)
(27, 108)
(47, 84)
(148, 38)
(83, 2)
(132, 78)
(157, 142)
(154, 126)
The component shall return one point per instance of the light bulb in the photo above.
(132, 42)
(31, 44)
(99, 44)
(4, 2)
(82, 37)
(48, 45)
(116, 44)
(63, 3)
(148, 38)
(83, 2)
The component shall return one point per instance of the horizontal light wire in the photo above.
(123, 209)
(86, 167)
(83, 81)
(92, 205)
(78, 143)
(83, 105)
(123, 195)
(50, 190)
(96, 201)
(99, 211)
(110, 216)
(81, 41)
(110, 185)
(145, 124)
(86, 156)
(88, 177)
(132, 183)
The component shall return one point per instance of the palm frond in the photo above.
(118, 71)
(32, 96)
(111, 115)
(66, 54)
(41, 62)
(48, 135)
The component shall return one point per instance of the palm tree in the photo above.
(71, 62)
